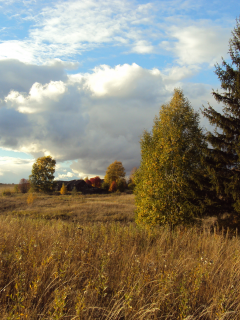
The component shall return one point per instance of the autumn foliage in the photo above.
(113, 187)
(114, 172)
(88, 182)
(31, 198)
(63, 189)
(96, 182)
(42, 176)
(166, 181)
(23, 185)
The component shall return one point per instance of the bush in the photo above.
(74, 191)
(31, 198)
(24, 185)
(7, 192)
(63, 189)
(16, 188)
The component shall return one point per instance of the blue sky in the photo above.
(81, 80)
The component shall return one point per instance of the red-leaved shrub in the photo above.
(23, 185)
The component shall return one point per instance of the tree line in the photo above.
(42, 178)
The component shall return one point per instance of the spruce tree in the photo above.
(167, 190)
(222, 156)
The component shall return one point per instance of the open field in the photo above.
(77, 209)
(6, 187)
(83, 257)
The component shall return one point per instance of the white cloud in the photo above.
(197, 44)
(21, 50)
(98, 117)
(58, 63)
(122, 81)
(68, 176)
(14, 169)
(71, 27)
(38, 98)
(142, 46)
(14, 161)
(65, 29)
(18, 76)
(172, 75)
(94, 118)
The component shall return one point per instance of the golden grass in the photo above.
(81, 209)
(6, 186)
(87, 265)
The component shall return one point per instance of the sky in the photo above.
(81, 80)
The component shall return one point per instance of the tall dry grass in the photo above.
(79, 208)
(6, 189)
(61, 270)
(5, 186)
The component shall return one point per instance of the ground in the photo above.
(83, 258)
(78, 208)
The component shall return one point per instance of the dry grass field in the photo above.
(83, 257)
(78, 209)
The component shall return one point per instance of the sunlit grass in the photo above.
(79, 208)
(58, 270)
(83, 257)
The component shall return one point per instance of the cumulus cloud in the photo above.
(198, 43)
(13, 169)
(94, 118)
(91, 119)
(19, 76)
(38, 98)
(67, 176)
(124, 81)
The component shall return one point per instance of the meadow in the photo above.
(83, 257)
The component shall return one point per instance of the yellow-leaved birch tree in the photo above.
(167, 189)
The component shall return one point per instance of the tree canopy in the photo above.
(42, 175)
(114, 172)
(96, 182)
(166, 181)
(223, 154)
